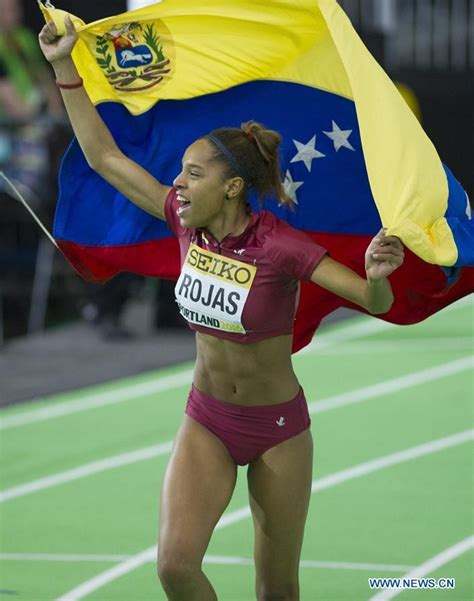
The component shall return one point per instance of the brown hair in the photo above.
(251, 152)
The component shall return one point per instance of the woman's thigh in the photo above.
(279, 491)
(198, 485)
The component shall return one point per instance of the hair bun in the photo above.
(266, 140)
(256, 150)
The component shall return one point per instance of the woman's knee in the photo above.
(176, 571)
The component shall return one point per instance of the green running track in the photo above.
(392, 412)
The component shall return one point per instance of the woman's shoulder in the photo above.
(277, 231)
(291, 250)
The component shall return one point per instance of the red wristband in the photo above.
(70, 86)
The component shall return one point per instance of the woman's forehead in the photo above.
(198, 153)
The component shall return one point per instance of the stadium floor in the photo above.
(393, 496)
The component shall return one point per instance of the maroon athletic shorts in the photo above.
(247, 432)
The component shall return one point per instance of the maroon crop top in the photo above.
(244, 288)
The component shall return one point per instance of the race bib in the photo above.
(212, 290)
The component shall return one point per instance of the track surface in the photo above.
(392, 412)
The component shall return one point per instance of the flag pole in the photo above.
(45, 3)
(23, 201)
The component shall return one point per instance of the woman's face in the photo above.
(201, 186)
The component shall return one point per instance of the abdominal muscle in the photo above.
(260, 373)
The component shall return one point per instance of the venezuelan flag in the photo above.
(354, 156)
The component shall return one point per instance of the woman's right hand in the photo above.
(57, 47)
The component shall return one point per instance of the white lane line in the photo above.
(381, 463)
(356, 330)
(369, 325)
(110, 397)
(428, 567)
(209, 559)
(111, 574)
(346, 565)
(73, 557)
(312, 563)
(393, 385)
(364, 326)
(127, 566)
(333, 402)
(87, 469)
(410, 345)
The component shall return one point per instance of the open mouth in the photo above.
(184, 205)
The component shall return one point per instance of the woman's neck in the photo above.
(231, 222)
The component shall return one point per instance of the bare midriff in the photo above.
(260, 373)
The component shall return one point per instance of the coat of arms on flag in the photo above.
(132, 56)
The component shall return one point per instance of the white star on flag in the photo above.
(290, 186)
(340, 137)
(307, 153)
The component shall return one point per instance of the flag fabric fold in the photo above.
(354, 157)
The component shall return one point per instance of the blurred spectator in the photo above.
(106, 304)
(167, 314)
(30, 104)
(33, 136)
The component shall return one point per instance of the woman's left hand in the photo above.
(383, 255)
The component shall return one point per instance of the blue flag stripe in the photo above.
(329, 180)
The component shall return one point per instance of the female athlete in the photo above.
(238, 290)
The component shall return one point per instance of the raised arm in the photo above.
(102, 153)
(383, 256)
